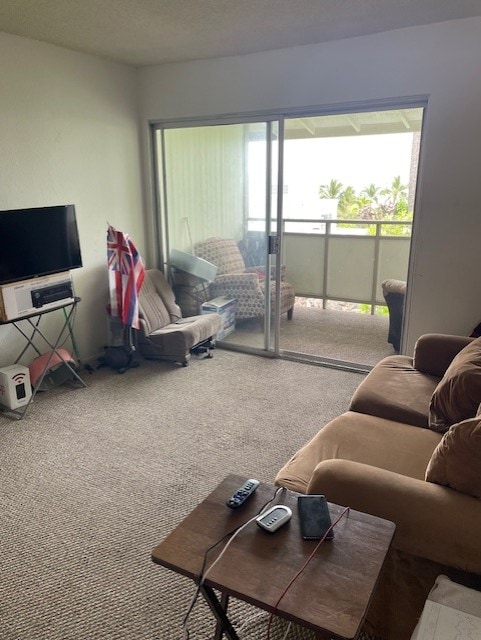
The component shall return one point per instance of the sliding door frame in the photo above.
(161, 214)
(269, 117)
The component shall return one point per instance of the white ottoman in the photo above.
(451, 612)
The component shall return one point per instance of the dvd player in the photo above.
(52, 293)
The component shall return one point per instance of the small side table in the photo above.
(66, 332)
(332, 594)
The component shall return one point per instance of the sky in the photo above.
(355, 161)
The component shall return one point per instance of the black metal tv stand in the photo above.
(65, 333)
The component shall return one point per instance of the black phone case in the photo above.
(314, 517)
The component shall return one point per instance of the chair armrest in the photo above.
(432, 521)
(143, 330)
(262, 270)
(434, 352)
(250, 280)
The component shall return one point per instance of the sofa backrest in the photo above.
(157, 306)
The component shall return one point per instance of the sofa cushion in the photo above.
(393, 446)
(395, 390)
(456, 461)
(458, 394)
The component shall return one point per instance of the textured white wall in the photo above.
(69, 134)
(441, 61)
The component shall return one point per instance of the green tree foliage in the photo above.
(348, 205)
(371, 192)
(332, 190)
(372, 203)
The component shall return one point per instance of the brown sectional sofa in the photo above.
(374, 458)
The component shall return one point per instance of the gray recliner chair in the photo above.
(163, 332)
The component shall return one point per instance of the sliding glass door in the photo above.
(218, 203)
(320, 203)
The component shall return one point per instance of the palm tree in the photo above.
(371, 192)
(332, 190)
(348, 203)
(397, 192)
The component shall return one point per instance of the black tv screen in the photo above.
(38, 242)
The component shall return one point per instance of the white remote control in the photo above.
(274, 518)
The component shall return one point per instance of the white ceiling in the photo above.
(145, 32)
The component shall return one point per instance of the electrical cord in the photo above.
(203, 572)
(287, 631)
(294, 578)
(226, 547)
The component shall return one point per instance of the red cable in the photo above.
(346, 510)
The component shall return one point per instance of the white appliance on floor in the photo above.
(15, 387)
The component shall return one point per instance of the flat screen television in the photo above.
(38, 242)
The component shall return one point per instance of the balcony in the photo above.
(337, 267)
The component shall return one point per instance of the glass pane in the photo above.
(349, 185)
(215, 188)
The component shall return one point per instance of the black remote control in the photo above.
(242, 493)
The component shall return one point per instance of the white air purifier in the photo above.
(15, 387)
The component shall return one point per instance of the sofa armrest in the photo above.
(434, 352)
(432, 521)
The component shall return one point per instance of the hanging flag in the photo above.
(126, 274)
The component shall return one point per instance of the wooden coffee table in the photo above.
(332, 594)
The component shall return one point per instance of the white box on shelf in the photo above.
(26, 297)
(225, 308)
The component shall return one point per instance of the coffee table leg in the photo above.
(219, 610)
(224, 602)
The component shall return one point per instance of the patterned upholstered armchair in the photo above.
(234, 280)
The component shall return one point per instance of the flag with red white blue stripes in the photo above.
(126, 275)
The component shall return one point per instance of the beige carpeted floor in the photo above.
(341, 335)
(92, 479)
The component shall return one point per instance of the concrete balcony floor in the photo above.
(335, 334)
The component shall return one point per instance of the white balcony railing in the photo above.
(344, 260)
